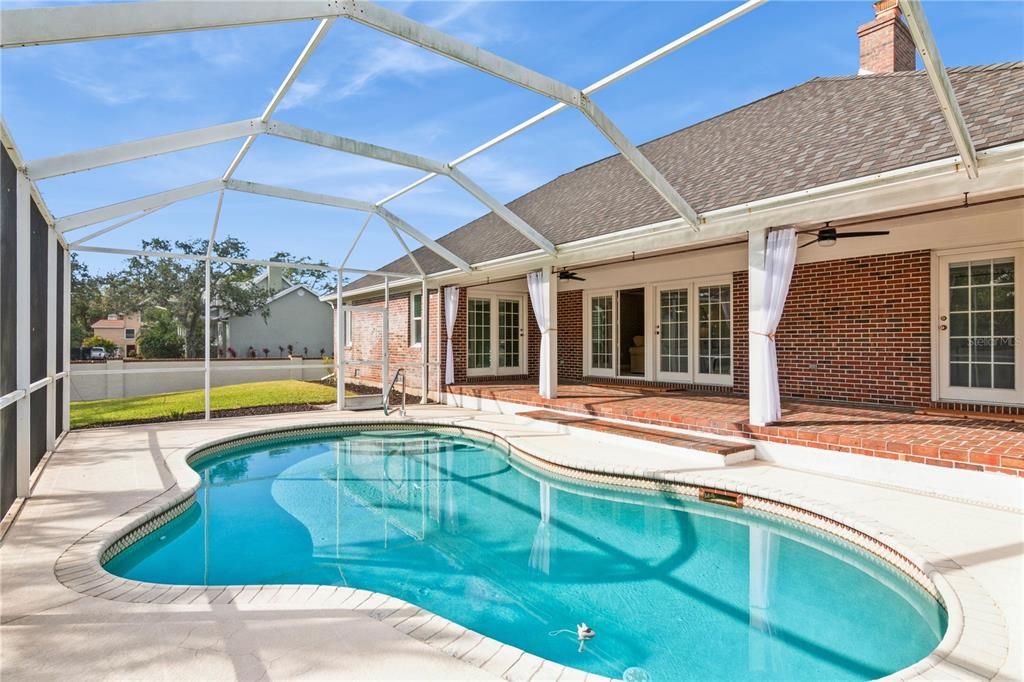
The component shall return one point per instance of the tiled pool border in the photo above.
(80, 566)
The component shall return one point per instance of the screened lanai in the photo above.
(35, 264)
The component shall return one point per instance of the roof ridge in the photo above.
(999, 66)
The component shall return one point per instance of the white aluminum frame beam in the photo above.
(299, 195)
(114, 226)
(240, 261)
(352, 204)
(350, 146)
(408, 252)
(123, 208)
(422, 239)
(88, 159)
(614, 77)
(53, 25)
(355, 242)
(640, 162)
(501, 210)
(441, 43)
(394, 156)
(282, 90)
(925, 42)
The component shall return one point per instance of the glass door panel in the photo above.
(714, 332)
(602, 352)
(478, 335)
(673, 334)
(979, 324)
(510, 355)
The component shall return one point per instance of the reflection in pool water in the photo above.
(678, 589)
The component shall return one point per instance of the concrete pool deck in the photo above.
(98, 475)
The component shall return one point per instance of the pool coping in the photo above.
(80, 568)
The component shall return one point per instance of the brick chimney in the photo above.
(885, 43)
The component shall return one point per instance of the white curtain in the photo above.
(539, 299)
(780, 255)
(451, 309)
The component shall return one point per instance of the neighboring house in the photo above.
(297, 318)
(927, 316)
(122, 330)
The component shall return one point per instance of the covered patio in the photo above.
(976, 443)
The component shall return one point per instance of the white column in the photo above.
(385, 375)
(757, 241)
(51, 336)
(206, 344)
(23, 331)
(339, 346)
(549, 337)
(424, 340)
(66, 344)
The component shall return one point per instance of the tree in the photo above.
(320, 281)
(88, 302)
(178, 285)
(160, 337)
(99, 342)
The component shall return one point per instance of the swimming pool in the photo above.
(673, 588)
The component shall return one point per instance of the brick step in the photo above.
(729, 452)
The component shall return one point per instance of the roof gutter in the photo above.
(902, 188)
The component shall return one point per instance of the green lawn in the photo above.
(190, 403)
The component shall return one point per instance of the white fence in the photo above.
(127, 378)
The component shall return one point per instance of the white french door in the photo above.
(672, 331)
(980, 315)
(496, 335)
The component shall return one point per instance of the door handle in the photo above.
(942, 327)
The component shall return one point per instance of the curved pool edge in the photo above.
(80, 566)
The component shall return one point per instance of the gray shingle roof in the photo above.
(822, 131)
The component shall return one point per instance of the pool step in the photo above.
(712, 451)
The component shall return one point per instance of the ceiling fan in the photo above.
(567, 275)
(827, 236)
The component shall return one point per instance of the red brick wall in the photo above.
(366, 342)
(857, 330)
(570, 335)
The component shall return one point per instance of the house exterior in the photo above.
(928, 315)
(120, 329)
(297, 321)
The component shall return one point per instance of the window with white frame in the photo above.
(348, 327)
(979, 356)
(129, 333)
(416, 320)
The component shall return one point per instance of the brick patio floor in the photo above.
(977, 444)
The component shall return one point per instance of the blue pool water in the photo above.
(679, 589)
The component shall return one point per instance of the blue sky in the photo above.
(369, 86)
